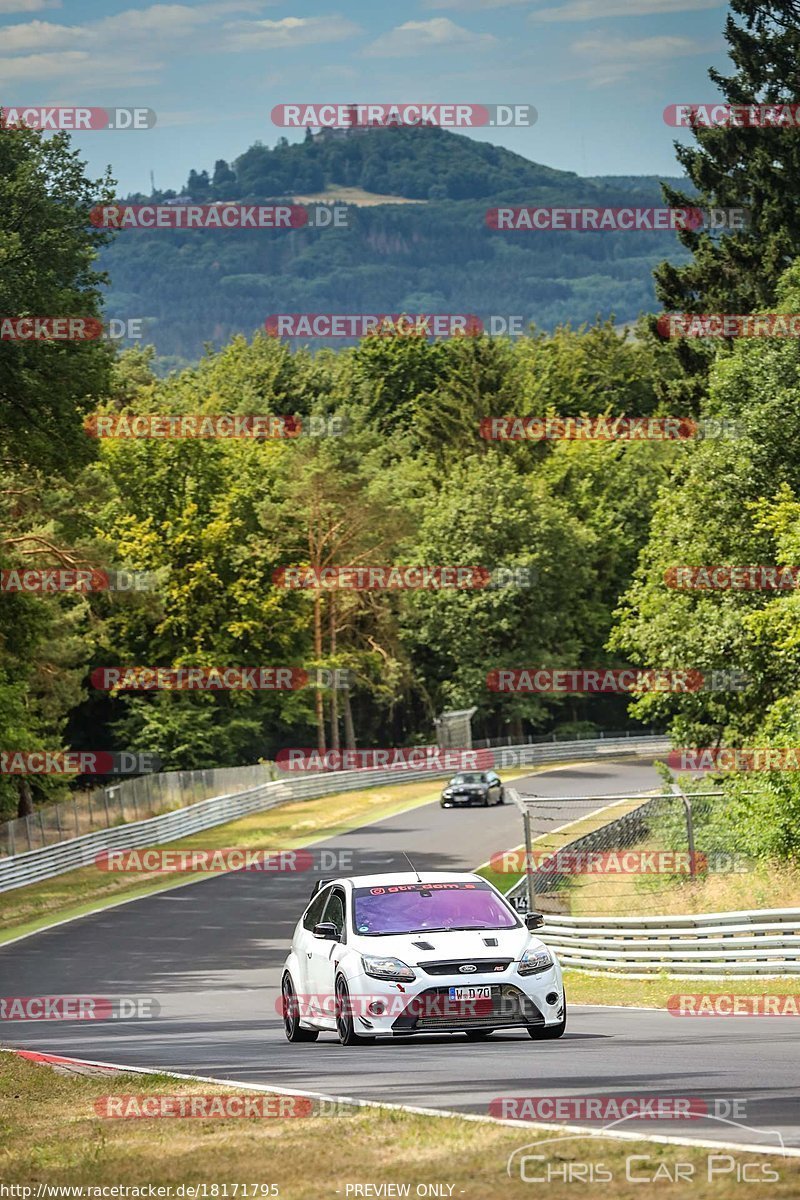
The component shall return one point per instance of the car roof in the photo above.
(387, 878)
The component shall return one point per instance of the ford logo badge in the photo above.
(467, 968)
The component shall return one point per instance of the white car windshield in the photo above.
(428, 908)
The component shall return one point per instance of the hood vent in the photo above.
(423, 945)
(490, 941)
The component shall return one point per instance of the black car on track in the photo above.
(473, 787)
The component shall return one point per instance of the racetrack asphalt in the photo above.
(211, 955)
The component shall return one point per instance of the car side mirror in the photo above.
(327, 931)
(532, 920)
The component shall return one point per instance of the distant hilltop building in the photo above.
(355, 124)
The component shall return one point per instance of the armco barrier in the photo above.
(34, 865)
(758, 942)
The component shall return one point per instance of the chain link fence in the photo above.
(129, 800)
(616, 863)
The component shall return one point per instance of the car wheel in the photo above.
(485, 800)
(291, 1016)
(547, 1032)
(478, 1035)
(502, 797)
(344, 1018)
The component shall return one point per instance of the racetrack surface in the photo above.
(211, 955)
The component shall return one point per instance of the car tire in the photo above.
(502, 797)
(344, 1018)
(546, 1033)
(291, 1018)
(485, 801)
(478, 1035)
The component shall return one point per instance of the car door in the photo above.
(324, 955)
(304, 940)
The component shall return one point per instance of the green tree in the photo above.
(48, 249)
(750, 168)
(731, 501)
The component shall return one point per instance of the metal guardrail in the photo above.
(750, 942)
(124, 801)
(753, 942)
(35, 865)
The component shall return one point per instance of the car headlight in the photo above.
(534, 961)
(447, 792)
(387, 968)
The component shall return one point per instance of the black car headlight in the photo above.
(534, 961)
(380, 967)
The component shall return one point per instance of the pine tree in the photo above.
(754, 168)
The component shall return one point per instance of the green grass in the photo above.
(52, 1133)
(604, 987)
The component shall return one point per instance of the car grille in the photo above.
(451, 966)
(433, 1009)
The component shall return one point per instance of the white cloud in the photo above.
(125, 48)
(650, 49)
(415, 37)
(77, 67)
(168, 20)
(288, 32)
(17, 6)
(615, 59)
(472, 5)
(591, 10)
(40, 35)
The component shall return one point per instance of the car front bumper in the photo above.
(464, 800)
(426, 1006)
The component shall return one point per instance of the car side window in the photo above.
(313, 914)
(334, 912)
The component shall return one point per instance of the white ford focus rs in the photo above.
(409, 953)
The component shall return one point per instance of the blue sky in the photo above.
(599, 72)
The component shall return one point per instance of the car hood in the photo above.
(465, 944)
